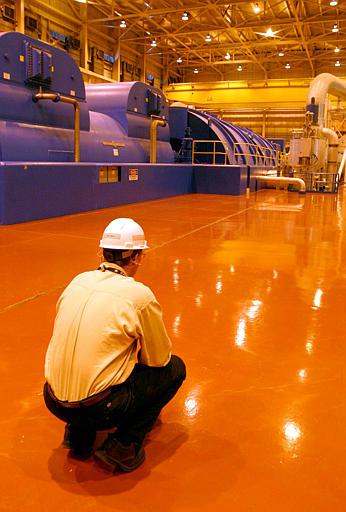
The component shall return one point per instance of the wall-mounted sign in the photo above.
(133, 174)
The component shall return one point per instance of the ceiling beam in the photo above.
(301, 31)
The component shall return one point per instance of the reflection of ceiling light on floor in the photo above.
(292, 431)
(240, 337)
(309, 347)
(302, 374)
(319, 292)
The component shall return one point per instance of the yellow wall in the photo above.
(272, 108)
(275, 93)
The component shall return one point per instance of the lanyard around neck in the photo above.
(103, 268)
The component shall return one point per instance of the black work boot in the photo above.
(119, 457)
(80, 443)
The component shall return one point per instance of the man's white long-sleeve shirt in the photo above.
(103, 320)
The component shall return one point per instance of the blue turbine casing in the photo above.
(238, 143)
(131, 105)
(114, 119)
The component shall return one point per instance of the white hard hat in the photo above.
(123, 234)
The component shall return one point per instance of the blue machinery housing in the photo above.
(67, 147)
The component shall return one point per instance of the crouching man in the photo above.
(109, 361)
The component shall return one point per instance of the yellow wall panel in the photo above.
(235, 96)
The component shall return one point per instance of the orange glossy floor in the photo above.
(253, 293)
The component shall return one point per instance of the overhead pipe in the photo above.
(283, 180)
(323, 84)
(55, 97)
(154, 123)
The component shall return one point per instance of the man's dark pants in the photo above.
(132, 407)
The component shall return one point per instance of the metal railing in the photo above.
(252, 154)
(318, 181)
(211, 153)
(244, 153)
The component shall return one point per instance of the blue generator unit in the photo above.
(67, 147)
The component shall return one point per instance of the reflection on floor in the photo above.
(253, 293)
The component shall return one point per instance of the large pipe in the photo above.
(319, 88)
(154, 123)
(65, 99)
(282, 180)
(342, 166)
(333, 144)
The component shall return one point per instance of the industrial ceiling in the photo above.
(268, 39)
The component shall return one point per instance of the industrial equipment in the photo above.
(216, 141)
(316, 151)
(67, 147)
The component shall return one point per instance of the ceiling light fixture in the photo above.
(227, 56)
(240, 68)
(195, 71)
(336, 49)
(185, 16)
(256, 8)
(123, 24)
(153, 43)
(337, 63)
(208, 38)
(333, 3)
(179, 60)
(288, 66)
(269, 32)
(335, 28)
(281, 53)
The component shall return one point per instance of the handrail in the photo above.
(262, 154)
(56, 97)
(213, 153)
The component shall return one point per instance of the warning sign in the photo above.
(133, 174)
